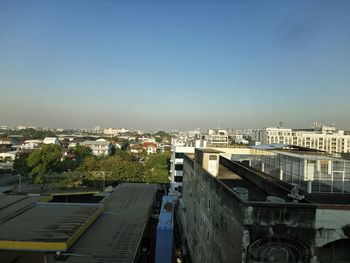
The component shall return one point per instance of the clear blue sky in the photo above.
(174, 64)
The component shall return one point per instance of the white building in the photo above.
(31, 144)
(217, 137)
(110, 131)
(322, 138)
(180, 147)
(51, 140)
(176, 164)
(99, 147)
(239, 138)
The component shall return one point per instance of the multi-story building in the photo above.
(322, 138)
(111, 131)
(217, 137)
(99, 147)
(230, 213)
(176, 165)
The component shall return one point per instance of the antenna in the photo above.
(280, 124)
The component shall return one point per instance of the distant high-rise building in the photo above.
(324, 138)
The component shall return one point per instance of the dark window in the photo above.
(179, 155)
(179, 167)
(178, 179)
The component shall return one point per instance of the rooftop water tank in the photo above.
(242, 192)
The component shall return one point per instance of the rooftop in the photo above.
(44, 226)
(260, 185)
(116, 235)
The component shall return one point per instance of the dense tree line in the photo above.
(89, 169)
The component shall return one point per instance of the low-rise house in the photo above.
(8, 156)
(136, 148)
(31, 144)
(76, 141)
(150, 147)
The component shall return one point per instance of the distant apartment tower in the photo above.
(323, 138)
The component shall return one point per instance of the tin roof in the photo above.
(116, 235)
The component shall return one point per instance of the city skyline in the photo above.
(174, 65)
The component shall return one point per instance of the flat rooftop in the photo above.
(260, 185)
(117, 234)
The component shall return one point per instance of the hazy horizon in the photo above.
(175, 65)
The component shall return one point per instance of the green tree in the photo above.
(157, 168)
(20, 164)
(43, 161)
(81, 152)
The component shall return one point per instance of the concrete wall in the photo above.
(213, 229)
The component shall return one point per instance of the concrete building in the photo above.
(324, 138)
(176, 165)
(99, 147)
(181, 147)
(230, 213)
(217, 137)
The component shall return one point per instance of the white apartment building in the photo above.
(217, 137)
(323, 138)
(111, 131)
(176, 164)
(99, 147)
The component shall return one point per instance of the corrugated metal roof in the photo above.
(11, 205)
(46, 222)
(116, 235)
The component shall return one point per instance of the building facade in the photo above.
(322, 138)
(231, 214)
(99, 147)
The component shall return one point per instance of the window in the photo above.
(209, 203)
(179, 167)
(178, 179)
(179, 155)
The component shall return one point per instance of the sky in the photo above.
(174, 64)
